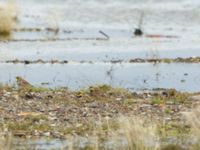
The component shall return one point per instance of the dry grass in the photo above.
(5, 139)
(5, 142)
(133, 133)
(8, 15)
(193, 120)
(139, 134)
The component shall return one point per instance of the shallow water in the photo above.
(38, 143)
(93, 50)
(139, 76)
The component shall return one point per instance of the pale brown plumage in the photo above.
(22, 84)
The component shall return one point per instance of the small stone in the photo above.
(16, 97)
(114, 111)
(145, 106)
(53, 125)
(7, 94)
(52, 118)
(107, 118)
(79, 125)
(169, 103)
(167, 119)
(57, 135)
(46, 133)
(93, 105)
(118, 99)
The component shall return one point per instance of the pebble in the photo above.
(52, 118)
(70, 111)
(169, 103)
(46, 134)
(93, 105)
(167, 119)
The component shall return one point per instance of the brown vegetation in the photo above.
(8, 15)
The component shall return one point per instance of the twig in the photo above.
(104, 34)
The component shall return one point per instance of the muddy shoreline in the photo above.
(41, 111)
(135, 60)
(33, 112)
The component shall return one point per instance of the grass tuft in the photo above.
(138, 134)
(193, 120)
(7, 17)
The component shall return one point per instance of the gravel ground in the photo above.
(29, 111)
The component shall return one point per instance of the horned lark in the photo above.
(22, 84)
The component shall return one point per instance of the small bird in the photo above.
(23, 85)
